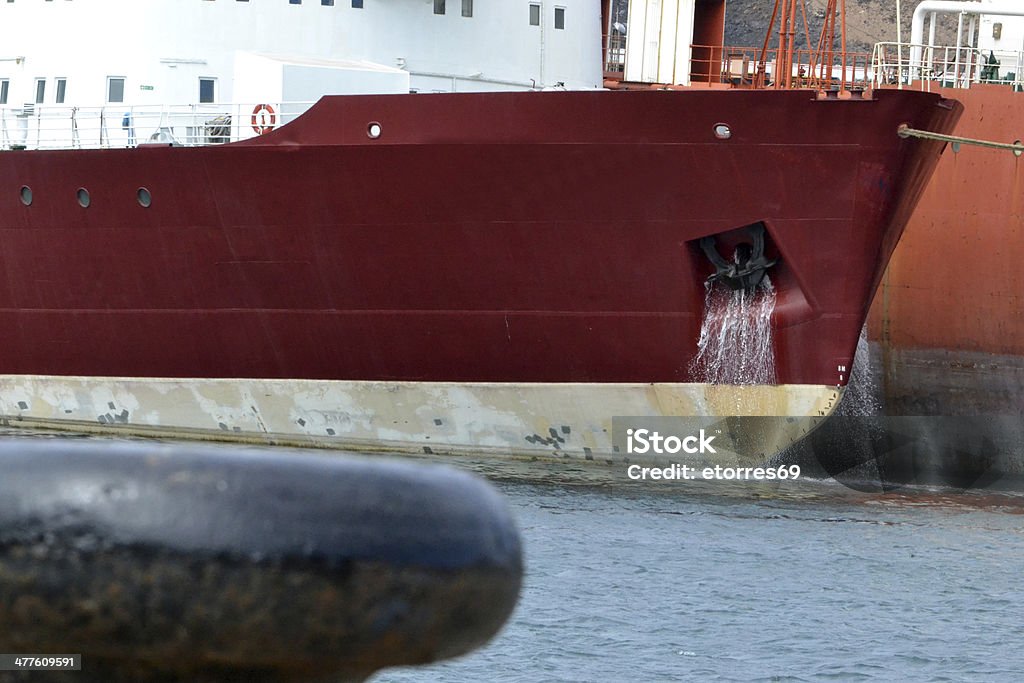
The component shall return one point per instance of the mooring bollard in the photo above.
(161, 562)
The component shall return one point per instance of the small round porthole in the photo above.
(144, 197)
(373, 130)
(26, 195)
(83, 197)
(723, 131)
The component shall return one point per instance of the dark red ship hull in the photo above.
(503, 237)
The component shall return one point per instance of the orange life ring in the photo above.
(263, 118)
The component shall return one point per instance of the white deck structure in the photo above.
(91, 73)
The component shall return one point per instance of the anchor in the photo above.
(749, 262)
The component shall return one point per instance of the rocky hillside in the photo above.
(867, 22)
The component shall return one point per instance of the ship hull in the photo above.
(563, 422)
(499, 238)
(946, 327)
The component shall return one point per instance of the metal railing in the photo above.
(117, 125)
(945, 66)
(753, 67)
(614, 53)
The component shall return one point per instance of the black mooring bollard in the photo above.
(161, 563)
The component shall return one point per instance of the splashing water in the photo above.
(735, 345)
(861, 398)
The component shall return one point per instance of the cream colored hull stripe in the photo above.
(556, 421)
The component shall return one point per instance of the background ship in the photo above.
(946, 330)
(440, 272)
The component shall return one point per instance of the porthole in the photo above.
(144, 197)
(26, 195)
(83, 197)
(373, 130)
(722, 131)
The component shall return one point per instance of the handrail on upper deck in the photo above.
(893, 64)
(750, 67)
(36, 126)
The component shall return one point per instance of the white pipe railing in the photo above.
(935, 7)
(116, 125)
(947, 66)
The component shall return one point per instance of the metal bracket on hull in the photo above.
(749, 263)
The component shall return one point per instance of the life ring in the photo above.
(263, 118)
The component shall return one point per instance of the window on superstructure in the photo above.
(294, 2)
(534, 14)
(40, 90)
(115, 89)
(467, 8)
(207, 90)
(5, 86)
(560, 17)
(62, 88)
(438, 6)
(357, 4)
(327, 3)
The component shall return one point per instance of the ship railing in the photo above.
(929, 66)
(755, 67)
(614, 54)
(37, 126)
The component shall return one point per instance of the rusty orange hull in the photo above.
(947, 323)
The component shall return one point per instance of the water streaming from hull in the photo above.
(735, 345)
(853, 446)
(861, 398)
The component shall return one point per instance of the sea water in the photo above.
(804, 580)
(663, 583)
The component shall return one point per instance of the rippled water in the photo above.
(720, 581)
(652, 584)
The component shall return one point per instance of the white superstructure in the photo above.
(133, 58)
(989, 46)
(658, 48)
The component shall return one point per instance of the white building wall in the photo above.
(1011, 33)
(258, 78)
(1008, 46)
(163, 47)
(305, 82)
(658, 41)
